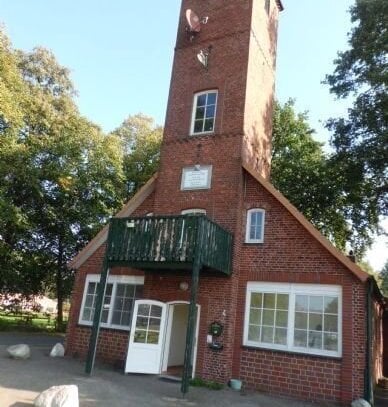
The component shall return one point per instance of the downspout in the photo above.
(368, 382)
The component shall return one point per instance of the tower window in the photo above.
(204, 112)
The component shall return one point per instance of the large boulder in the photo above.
(360, 403)
(58, 396)
(58, 351)
(20, 351)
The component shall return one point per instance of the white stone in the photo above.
(360, 403)
(58, 396)
(58, 351)
(20, 351)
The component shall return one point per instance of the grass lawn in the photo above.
(26, 323)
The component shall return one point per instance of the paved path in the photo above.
(21, 381)
(32, 339)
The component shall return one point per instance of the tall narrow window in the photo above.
(204, 112)
(255, 226)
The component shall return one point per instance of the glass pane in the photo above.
(116, 318)
(144, 309)
(282, 319)
(89, 300)
(300, 338)
(86, 316)
(267, 334)
(200, 113)
(254, 333)
(198, 126)
(330, 341)
(210, 110)
(282, 302)
(104, 316)
(315, 322)
(156, 311)
(253, 233)
(92, 288)
(126, 319)
(315, 339)
(153, 337)
(316, 304)
(211, 98)
(331, 305)
(142, 322)
(255, 316)
(129, 290)
(331, 323)
(300, 320)
(120, 290)
(281, 336)
(209, 124)
(109, 288)
(154, 324)
(268, 317)
(201, 100)
(301, 303)
(269, 301)
(107, 300)
(256, 299)
(127, 306)
(140, 336)
(118, 305)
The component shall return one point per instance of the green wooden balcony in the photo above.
(169, 243)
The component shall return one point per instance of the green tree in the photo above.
(361, 139)
(302, 172)
(60, 178)
(384, 279)
(141, 140)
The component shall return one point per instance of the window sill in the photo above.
(291, 352)
(105, 327)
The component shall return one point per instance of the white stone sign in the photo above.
(197, 177)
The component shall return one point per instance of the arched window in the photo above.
(204, 112)
(255, 226)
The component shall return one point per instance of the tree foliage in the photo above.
(302, 172)
(384, 279)
(141, 139)
(60, 177)
(361, 139)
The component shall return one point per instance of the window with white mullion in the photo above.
(296, 317)
(204, 112)
(120, 294)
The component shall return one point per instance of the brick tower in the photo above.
(219, 117)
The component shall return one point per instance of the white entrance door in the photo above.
(147, 337)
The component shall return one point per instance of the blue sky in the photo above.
(120, 54)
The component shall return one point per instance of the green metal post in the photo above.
(97, 312)
(192, 318)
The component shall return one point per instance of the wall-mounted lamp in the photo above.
(184, 285)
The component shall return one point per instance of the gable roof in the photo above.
(360, 274)
(140, 196)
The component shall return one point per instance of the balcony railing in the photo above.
(169, 242)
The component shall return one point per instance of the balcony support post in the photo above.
(93, 340)
(192, 318)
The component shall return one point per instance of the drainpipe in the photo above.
(368, 383)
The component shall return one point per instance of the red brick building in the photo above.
(274, 304)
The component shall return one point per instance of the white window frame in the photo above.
(193, 211)
(292, 290)
(248, 227)
(115, 280)
(196, 96)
